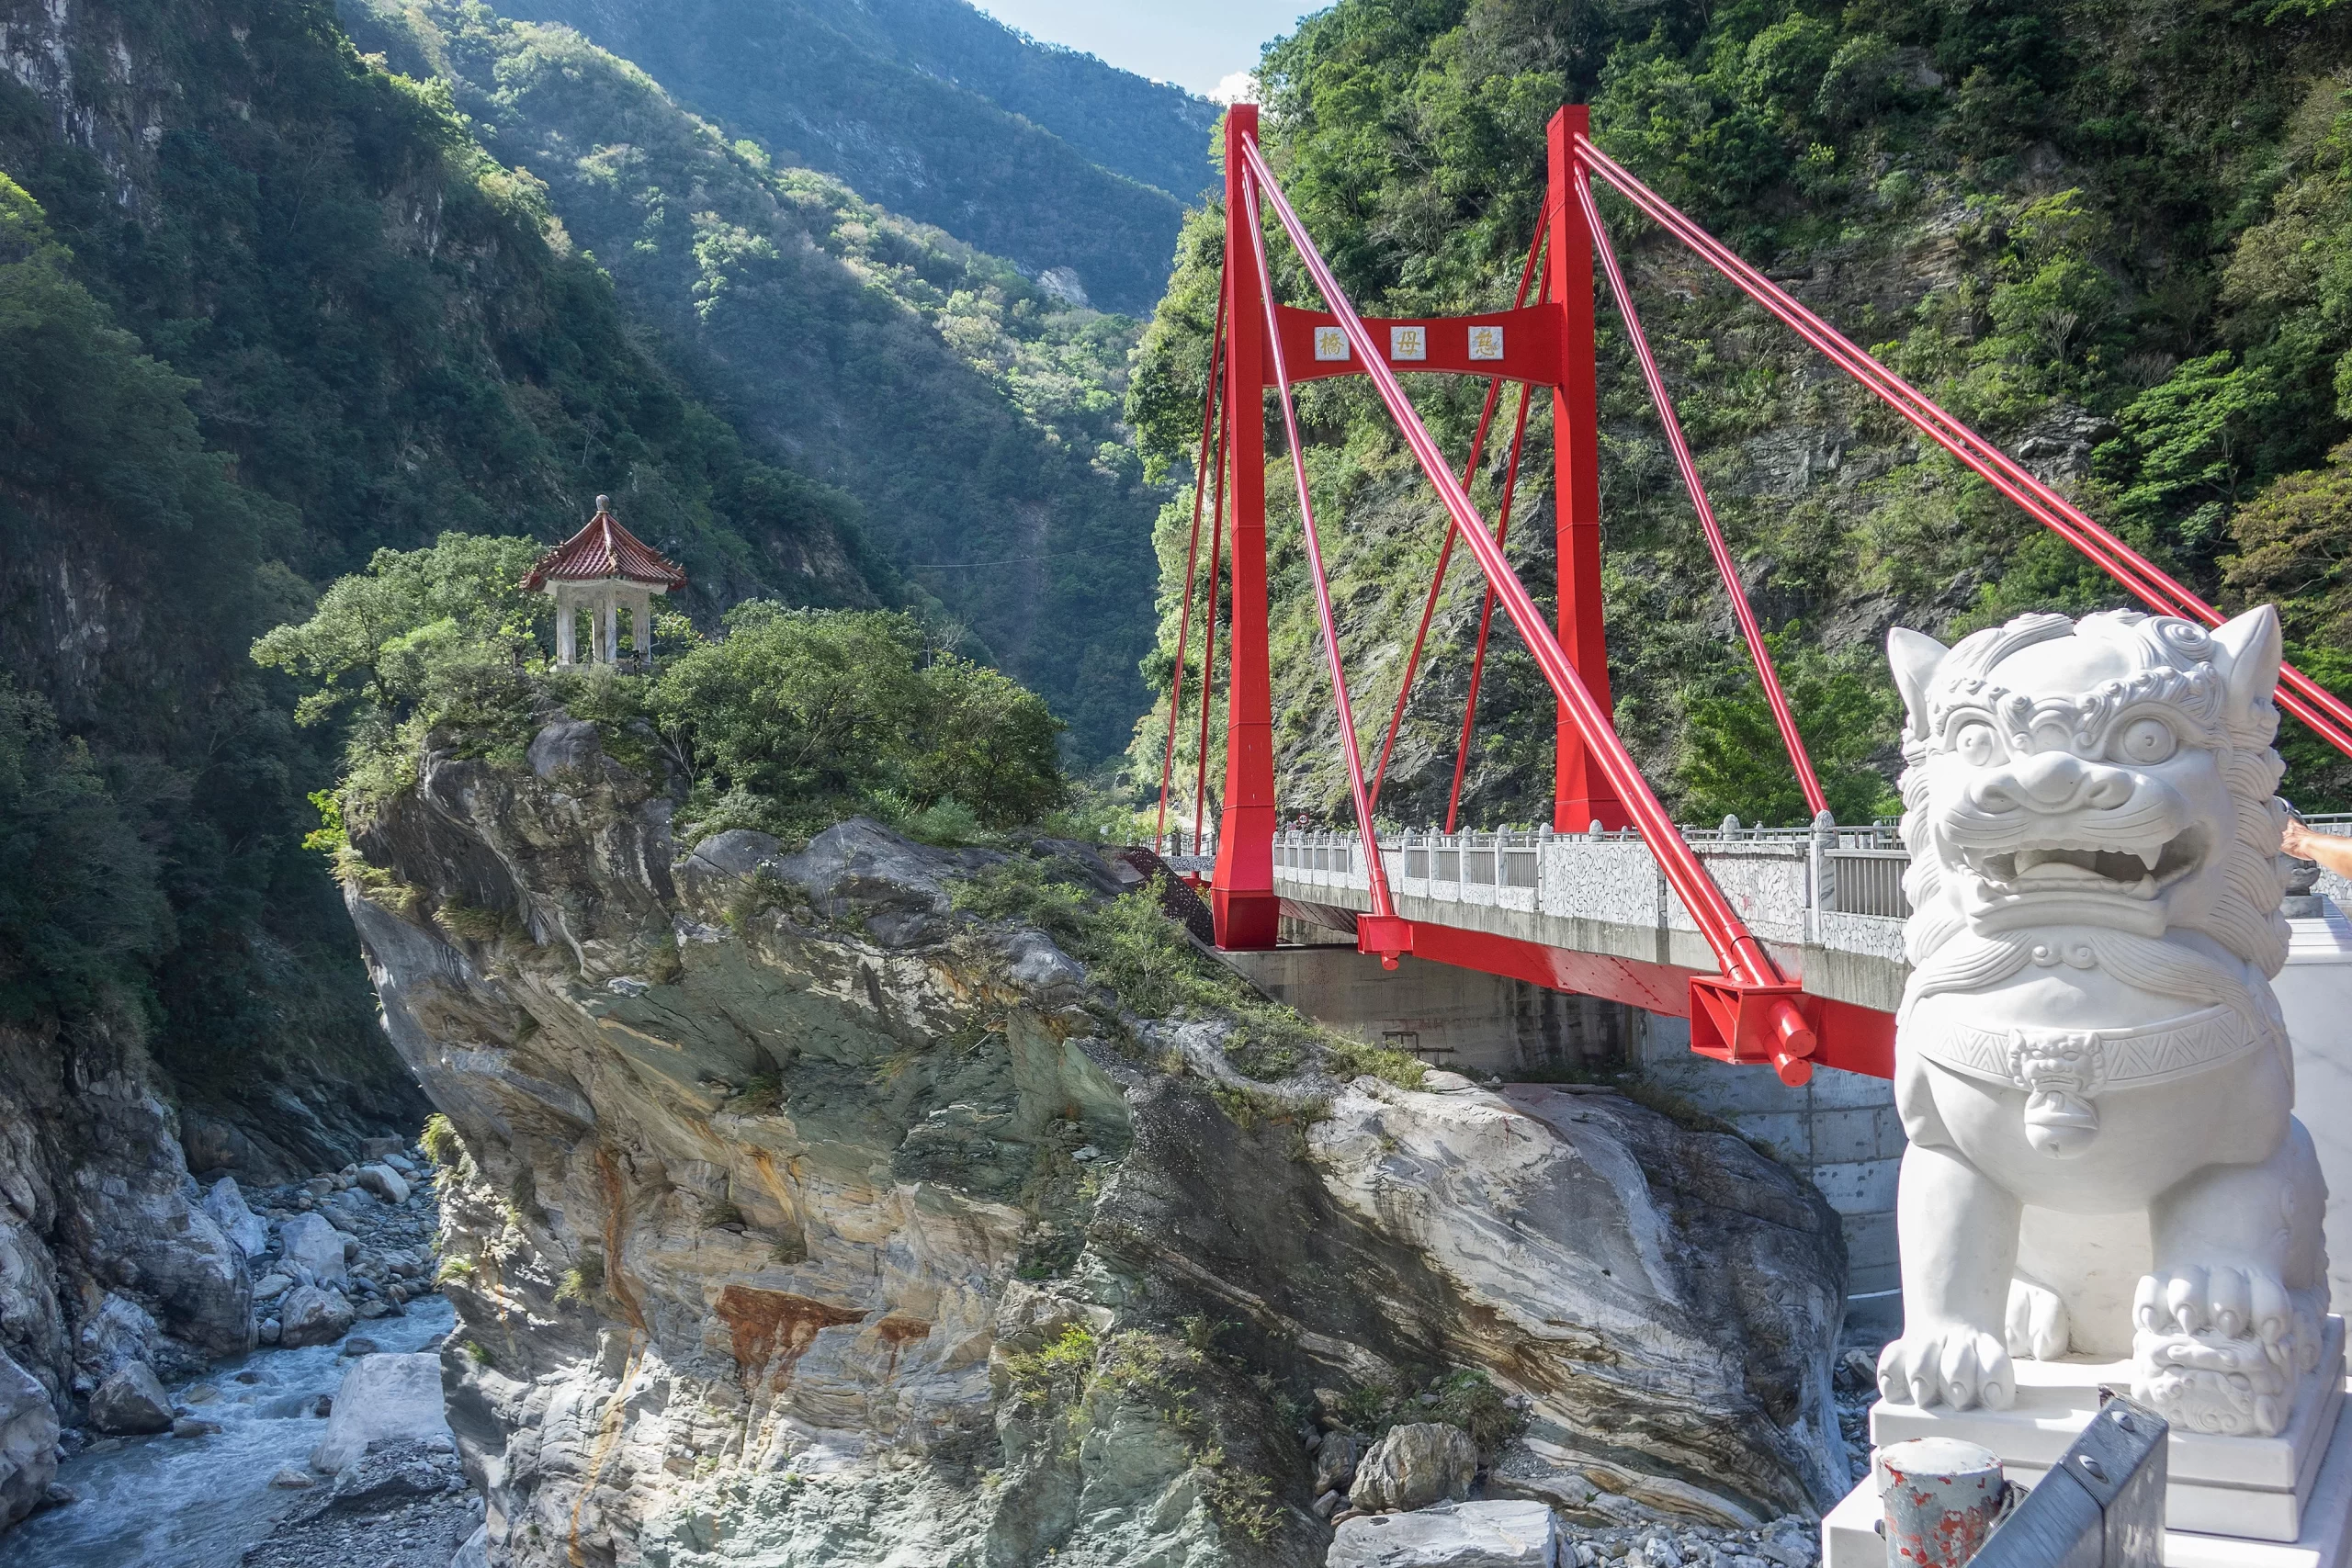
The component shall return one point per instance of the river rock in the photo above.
(194, 1427)
(384, 1400)
(373, 1150)
(393, 1470)
(475, 1553)
(131, 1400)
(314, 1314)
(308, 1240)
(1414, 1466)
(384, 1182)
(1450, 1535)
(289, 1479)
(227, 1206)
(119, 1333)
(27, 1442)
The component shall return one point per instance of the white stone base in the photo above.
(2242, 1486)
(1849, 1537)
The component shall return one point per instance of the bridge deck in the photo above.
(1829, 906)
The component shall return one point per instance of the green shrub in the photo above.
(1054, 1375)
(439, 1141)
(797, 719)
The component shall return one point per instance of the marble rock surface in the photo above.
(792, 1199)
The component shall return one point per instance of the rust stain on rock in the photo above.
(898, 1330)
(772, 1329)
(608, 1171)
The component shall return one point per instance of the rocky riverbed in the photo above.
(196, 1465)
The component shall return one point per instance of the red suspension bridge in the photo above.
(1748, 1008)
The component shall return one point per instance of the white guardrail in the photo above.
(1802, 885)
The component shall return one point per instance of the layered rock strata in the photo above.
(803, 1216)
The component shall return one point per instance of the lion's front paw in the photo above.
(2036, 1322)
(1951, 1364)
(2215, 1351)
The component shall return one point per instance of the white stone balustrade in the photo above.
(1828, 902)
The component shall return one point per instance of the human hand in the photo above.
(2296, 840)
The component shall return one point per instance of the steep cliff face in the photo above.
(106, 1253)
(801, 1215)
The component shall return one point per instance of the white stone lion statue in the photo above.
(2089, 1062)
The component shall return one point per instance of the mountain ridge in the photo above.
(1055, 161)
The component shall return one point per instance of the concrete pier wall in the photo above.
(1840, 1130)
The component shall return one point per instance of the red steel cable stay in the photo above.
(2304, 697)
(1815, 802)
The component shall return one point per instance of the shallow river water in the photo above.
(166, 1502)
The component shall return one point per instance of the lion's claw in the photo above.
(2037, 1327)
(1954, 1365)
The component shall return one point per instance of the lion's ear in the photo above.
(2251, 646)
(1914, 657)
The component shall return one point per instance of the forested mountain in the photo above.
(976, 417)
(933, 110)
(2111, 237)
(264, 310)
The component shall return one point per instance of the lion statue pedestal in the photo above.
(2105, 1183)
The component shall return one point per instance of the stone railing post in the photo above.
(1821, 874)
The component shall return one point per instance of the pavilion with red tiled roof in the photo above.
(604, 569)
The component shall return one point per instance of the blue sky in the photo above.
(1199, 44)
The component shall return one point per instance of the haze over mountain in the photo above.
(934, 110)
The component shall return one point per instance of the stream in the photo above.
(165, 1502)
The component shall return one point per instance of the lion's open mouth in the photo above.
(2129, 871)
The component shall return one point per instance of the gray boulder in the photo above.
(308, 1240)
(1451, 1535)
(384, 1182)
(1335, 1463)
(131, 1400)
(475, 1553)
(371, 1149)
(314, 1314)
(27, 1442)
(118, 1334)
(227, 1206)
(1415, 1466)
(394, 1472)
(384, 1400)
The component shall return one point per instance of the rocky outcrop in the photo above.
(1414, 1465)
(107, 1252)
(796, 1209)
(27, 1443)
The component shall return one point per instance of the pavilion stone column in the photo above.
(567, 627)
(607, 625)
(640, 626)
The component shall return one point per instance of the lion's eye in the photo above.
(2146, 741)
(1974, 743)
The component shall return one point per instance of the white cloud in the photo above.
(1237, 87)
